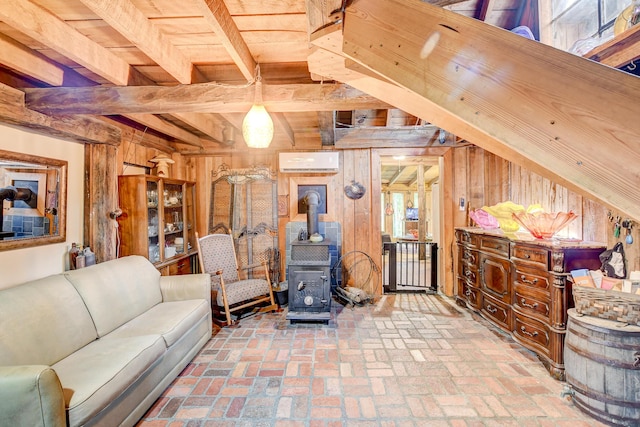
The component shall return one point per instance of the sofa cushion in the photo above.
(116, 291)
(98, 373)
(172, 320)
(43, 321)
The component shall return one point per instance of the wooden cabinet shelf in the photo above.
(158, 222)
(521, 286)
(619, 51)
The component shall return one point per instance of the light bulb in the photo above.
(257, 127)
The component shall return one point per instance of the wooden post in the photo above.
(101, 198)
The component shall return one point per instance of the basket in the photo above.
(612, 305)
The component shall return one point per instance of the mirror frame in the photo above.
(61, 235)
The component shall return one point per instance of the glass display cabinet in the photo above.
(158, 222)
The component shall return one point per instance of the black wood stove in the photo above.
(309, 271)
(309, 282)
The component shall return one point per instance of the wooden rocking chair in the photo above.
(231, 291)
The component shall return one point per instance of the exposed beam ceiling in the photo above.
(101, 43)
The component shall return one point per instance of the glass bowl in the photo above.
(483, 219)
(544, 225)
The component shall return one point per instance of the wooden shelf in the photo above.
(620, 50)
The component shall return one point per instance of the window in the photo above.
(586, 22)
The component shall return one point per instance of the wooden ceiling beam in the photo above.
(204, 97)
(46, 28)
(380, 137)
(565, 114)
(218, 17)
(22, 59)
(325, 62)
(165, 127)
(396, 175)
(327, 126)
(123, 16)
(83, 129)
(205, 123)
(282, 125)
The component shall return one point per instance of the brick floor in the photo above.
(405, 360)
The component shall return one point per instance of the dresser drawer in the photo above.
(182, 266)
(466, 238)
(468, 255)
(497, 311)
(531, 278)
(495, 245)
(532, 334)
(469, 271)
(532, 302)
(531, 255)
(472, 296)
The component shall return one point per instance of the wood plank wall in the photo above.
(482, 178)
(501, 180)
(360, 232)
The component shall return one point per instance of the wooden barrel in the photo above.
(602, 366)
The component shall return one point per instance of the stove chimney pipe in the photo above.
(312, 200)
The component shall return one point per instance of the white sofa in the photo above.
(97, 346)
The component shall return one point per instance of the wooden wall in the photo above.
(480, 177)
(360, 229)
(486, 179)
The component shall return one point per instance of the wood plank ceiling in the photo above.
(182, 73)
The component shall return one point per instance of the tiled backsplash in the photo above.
(26, 226)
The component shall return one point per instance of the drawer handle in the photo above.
(525, 332)
(527, 256)
(468, 292)
(524, 279)
(636, 361)
(491, 309)
(524, 304)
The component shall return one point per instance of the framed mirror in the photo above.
(33, 195)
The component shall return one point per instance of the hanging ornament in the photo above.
(388, 210)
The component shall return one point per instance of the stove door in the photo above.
(309, 289)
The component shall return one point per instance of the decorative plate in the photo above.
(355, 190)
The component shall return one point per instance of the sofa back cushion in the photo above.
(116, 291)
(42, 322)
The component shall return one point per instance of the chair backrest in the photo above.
(216, 252)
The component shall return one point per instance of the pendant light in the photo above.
(257, 126)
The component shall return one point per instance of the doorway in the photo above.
(409, 214)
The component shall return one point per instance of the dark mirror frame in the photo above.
(52, 202)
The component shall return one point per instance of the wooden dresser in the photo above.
(521, 286)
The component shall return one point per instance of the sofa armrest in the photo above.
(31, 395)
(186, 286)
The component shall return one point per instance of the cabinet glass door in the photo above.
(153, 235)
(190, 215)
(173, 220)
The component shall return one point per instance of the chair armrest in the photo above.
(31, 395)
(185, 286)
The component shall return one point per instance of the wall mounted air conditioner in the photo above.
(310, 162)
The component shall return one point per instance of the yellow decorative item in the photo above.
(629, 17)
(503, 212)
